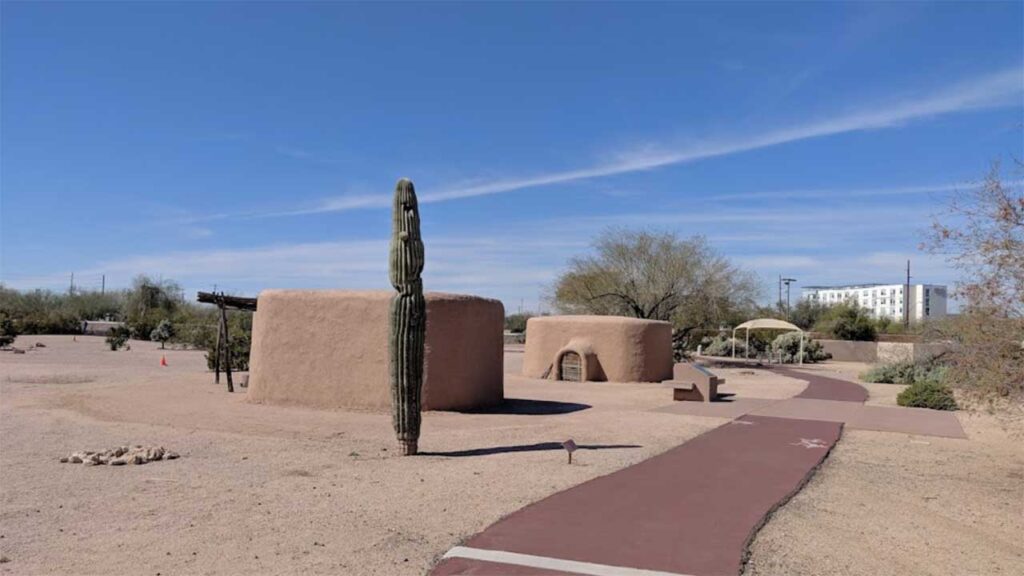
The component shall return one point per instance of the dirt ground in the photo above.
(273, 490)
(898, 504)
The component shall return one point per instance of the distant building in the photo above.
(926, 301)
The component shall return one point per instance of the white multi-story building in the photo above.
(925, 301)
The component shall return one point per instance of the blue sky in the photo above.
(256, 146)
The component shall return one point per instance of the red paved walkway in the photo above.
(825, 388)
(691, 510)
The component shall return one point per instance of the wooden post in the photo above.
(227, 349)
(216, 353)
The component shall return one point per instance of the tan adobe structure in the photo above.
(329, 349)
(598, 348)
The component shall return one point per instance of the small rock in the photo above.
(75, 459)
(119, 461)
(64, 460)
(171, 455)
(138, 459)
(40, 345)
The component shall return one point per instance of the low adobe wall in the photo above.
(851, 351)
(881, 352)
(329, 349)
(611, 348)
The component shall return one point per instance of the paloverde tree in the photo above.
(982, 235)
(657, 276)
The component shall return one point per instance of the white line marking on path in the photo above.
(572, 566)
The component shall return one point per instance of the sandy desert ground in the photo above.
(274, 490)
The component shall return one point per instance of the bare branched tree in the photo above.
(658, 277)
(982, 235)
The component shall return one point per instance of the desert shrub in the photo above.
(516, 323)
(907, 372)
(927, 394)
(163, 332)
(891, 373)
(8, 329)
(238, 353)
(118, 337)
(788, 347)
(196, 334)
(722, 346)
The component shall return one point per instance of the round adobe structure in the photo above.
(329, 349)
(600, 348)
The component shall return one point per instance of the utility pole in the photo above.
(71, 289)
(779, 301)
(906, 299)
(103, 285)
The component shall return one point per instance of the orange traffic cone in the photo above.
(163, 360)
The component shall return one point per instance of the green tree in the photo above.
(807, 313)
(8, 329)
(658, 276)
(148, 302)
(847, 321)
(516, 323)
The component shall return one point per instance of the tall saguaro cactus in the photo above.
(408, 317)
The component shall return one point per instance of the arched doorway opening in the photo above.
(570, 367)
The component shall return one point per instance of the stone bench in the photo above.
(693, 383)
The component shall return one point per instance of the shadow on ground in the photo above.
(531, 407)
(542, 446)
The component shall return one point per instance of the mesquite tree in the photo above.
(658, 276)
(408, 317)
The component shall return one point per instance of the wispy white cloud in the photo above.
(995, 89)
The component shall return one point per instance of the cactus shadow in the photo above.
(539, 447)
(529, 407)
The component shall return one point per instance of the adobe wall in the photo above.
(329, 349)
(895, 352)
(851, 351)
(613, 348)
(881, 352)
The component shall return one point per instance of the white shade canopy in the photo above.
(768, 323)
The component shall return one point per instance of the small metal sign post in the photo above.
(570, 447)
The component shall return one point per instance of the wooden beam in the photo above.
(221, 299)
